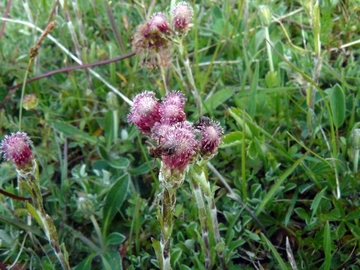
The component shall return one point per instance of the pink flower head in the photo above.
(182, 15)
(145, 112)
(152, 34)
(181, 145)
(172, 108)
(159, 23)
(175, 97)
(16, 148)
(211, 133)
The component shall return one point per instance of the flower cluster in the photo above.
(179, 141)
(156, 34)
(16, 148)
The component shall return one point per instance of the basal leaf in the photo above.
(114, 200)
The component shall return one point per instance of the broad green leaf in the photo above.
(231, 139)
(315, 204)
(355, 230)
(119, 163)
(252, 150)
(175, 255)
(103, 152)
(276, 186)
(337, 105)
(73, 132)
(302, 213)
(85, 264)
(114, 200)
(142, 169)
(353, 215)
(276, 254)
(115, 238)
(111, 260)
(327, 246)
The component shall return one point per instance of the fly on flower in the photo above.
(160, 150)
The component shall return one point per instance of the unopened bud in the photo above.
(264, 15)
(355, 139)
(30, 102)
(112, 101)
(85, 205)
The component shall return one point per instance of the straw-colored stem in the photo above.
(203, 221)
(166, 221)
(189, 74)
(199, 175)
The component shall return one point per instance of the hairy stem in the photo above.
(203, 220)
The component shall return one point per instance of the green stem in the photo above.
(199, 175)
(116, 124)
(356, 160)
(23, 91)
(189, 74)
(268, 48)
(30, 179)
(203, 221)
(166, 221)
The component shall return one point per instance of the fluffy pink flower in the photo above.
(145, 112)
(182, 15)
(159, 23)
(211, 133)
(181, 144)
(175, 97)
(16, 148)
(172, 108)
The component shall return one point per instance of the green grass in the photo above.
(286, 155)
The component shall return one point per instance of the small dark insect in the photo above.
(160, 150)
(203, 121)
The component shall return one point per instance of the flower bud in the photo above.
(112, 101)
(355, 139)
(264, 15)
(16, 148)
(85, 205)
(30, 102)
(182, 14)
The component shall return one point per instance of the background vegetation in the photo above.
(291, 162)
